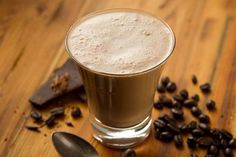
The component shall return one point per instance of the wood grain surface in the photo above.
(32, 36)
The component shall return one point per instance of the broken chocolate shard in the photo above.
(63, 80)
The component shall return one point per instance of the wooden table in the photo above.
(32, 44)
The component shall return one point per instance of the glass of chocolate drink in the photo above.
(120, 54)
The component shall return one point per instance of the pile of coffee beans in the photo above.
(199, 132)
(50, 121)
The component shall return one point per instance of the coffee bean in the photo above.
(190, 103)
(192, 125)
(178, 98)
(226, 135)
(161, 88)
(171, 87)
(165, 80)
(228, 152)
(166, 118)
(76, 113)
(50, 121)
(205, 88)
(157, 133)
(177, 113)
(194, 79)
(184, 128)
(160, 124)
(204, 142)
(166, 136)
(158, 105)
(210, 104)
(128, 153)
(176, 104)
(57, 112)
(173, 128)
(193, 155)
(195, 97)
(204, 127)
(197, 133)
(232, 143)
(32, 128)
(204, 118)
(213, 150)
(191, 141)
(184, 93)
(195, 111)
(36, 116)
(178, 140)
(215, 133)
(209, 155)
(165, 101)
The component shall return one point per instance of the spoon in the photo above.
(69, 145)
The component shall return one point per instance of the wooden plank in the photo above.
(32, 44)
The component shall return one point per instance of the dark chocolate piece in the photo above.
(63, 80)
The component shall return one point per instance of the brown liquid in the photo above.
(120, 101)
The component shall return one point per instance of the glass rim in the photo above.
(78, 21)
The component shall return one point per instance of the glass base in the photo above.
(121, 137)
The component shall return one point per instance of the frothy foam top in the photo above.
(120, 42)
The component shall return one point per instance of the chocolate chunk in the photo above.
(63, 80)
(128, 153)
(57, 112)
(223, 143)
(32, 128)
(194, 79)
(69, 124)
(36, 116)
(76, 113)
(50, 121)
